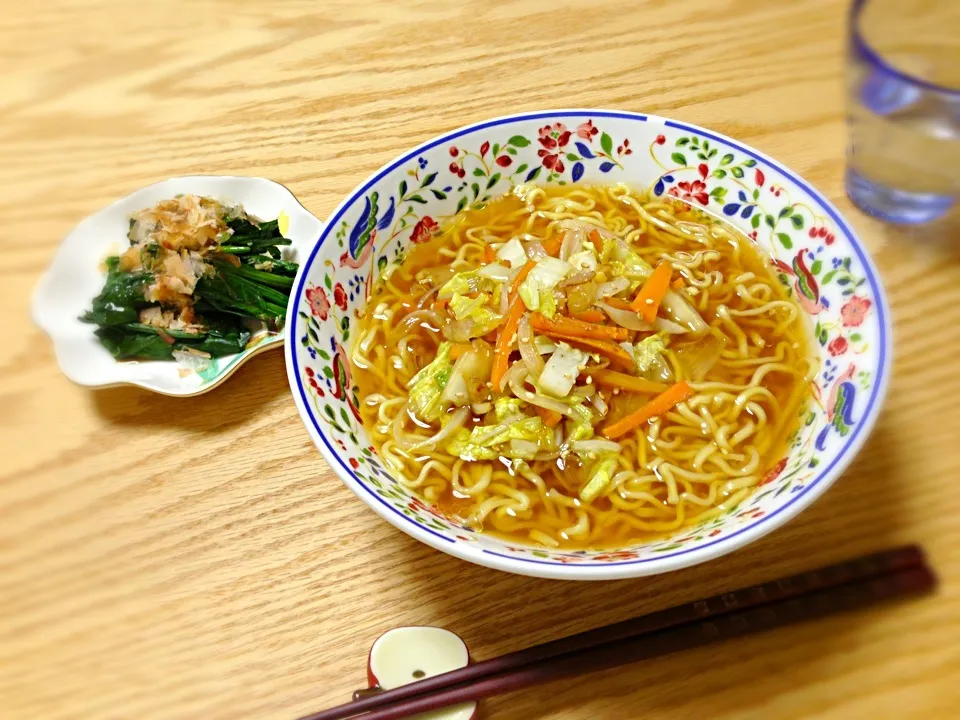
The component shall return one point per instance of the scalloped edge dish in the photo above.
(74, 277)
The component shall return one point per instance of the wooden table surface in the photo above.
(164, 558)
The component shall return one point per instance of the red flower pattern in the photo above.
(416, 504)
(587, 131)
(696, 190)
(318, 302)
(424, 229)
(619, 555)
(553, 138)
(854, 311)
(340, 297)
(551, 161)
(774, 472)
(838, 346)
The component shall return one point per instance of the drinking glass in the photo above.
(903, 107)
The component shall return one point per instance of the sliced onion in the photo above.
(427, 297)
(595, 445)
(669, 327)
(697, 358)
(504, 301)
(617, 285)
(517, 375)
(481, 408)
(633, 321)
(659, 370)
(578, 278)
(456, 421)
(682, 312)
(535, 250)
(456, 391)
(417, 317)
(626, 318)
(585, 227)
(401, 438)
(528, 351)
(599, 404)
(571, 244)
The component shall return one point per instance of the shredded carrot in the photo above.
(617, 303)
(521, 276)
(651, 294)
(458, 349)
(678, 284)
(551, 418)
(501, 355)
(609, 349)
(590, 316)
(489, 256)
(596, 240)
(663, 402)
(612, 378)
(578, 328)
(552, 246)
(491, 336)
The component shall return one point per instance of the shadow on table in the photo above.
(496, 612)
(256, 384)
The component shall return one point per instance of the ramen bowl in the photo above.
(815, 254)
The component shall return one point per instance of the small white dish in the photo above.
(75, 277)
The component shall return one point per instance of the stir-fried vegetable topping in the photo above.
(426, 387)
(546, 340)
(537, 288)
(562, 370)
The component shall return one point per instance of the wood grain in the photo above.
(165, 558)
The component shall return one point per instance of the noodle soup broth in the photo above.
(582, 367)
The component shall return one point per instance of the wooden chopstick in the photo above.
(871, 566)
(857, 594)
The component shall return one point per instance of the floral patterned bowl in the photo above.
(815, 252)
(75, 278)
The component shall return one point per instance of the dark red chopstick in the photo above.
(833, 576)
(851, 596)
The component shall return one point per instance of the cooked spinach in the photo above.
(223, 301)
(126, 342)
(121, 297)
(248, 238)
